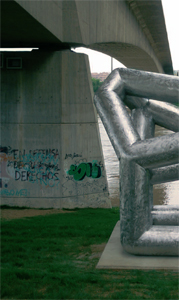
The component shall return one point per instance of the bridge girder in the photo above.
(131, 31)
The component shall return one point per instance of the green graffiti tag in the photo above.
(85, 169)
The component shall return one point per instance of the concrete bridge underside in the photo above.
(131, 31)
(51, 153)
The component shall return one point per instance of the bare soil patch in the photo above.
(9, 214)
(115, 201)
(97, 250)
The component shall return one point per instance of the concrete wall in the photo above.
(50, 152)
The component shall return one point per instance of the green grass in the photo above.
(52, 257)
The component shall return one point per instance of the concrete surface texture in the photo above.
(115, 257)
(50, 147)
(131, 31)
(51, 154)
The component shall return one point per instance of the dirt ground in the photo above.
(9, 214)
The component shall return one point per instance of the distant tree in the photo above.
(96, 84)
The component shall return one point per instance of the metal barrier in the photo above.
(144, 160)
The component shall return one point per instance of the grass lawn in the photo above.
(54, 257)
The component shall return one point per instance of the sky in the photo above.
(100, 62)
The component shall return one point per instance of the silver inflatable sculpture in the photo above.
(144, 160)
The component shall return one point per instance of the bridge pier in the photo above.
(49, 133)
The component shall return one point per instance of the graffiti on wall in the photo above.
(12, 192)
(85, 169)
(72, 156)
(83, 185)
(35, 166)
(41, 166)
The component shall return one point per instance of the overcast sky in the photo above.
(102, 63)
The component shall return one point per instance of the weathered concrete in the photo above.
(48, 104)
(48, 124)
(131, 31)
(115, 257)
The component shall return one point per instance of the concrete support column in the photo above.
(50, 153)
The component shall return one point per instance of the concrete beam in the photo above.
(123, 29)
(29, 21)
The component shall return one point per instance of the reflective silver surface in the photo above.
(140, 154)
(165, 217)
(150, 85)
(165, 174)
(166, 193)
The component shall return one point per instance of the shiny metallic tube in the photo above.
(156, 152)
(159, 240)
(150, 85)
(143, 158)
(135, 102)
(164, 114)
(165, 174)
(170, 217)
(165, 207)
(114, 115)
(143, 122)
